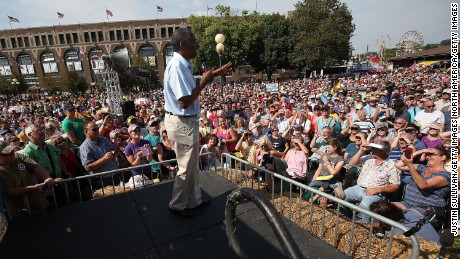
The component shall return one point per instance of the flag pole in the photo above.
(9, 21)
(207, 10)
(106, 14)
(59, 21)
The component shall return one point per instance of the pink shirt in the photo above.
(297, 163)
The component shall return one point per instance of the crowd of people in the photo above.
(364, 138)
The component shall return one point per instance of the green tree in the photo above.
(324, 29)
(242, 39)
(222, 10)
(75, 83)
(445, 42)
(390, 53)
(152, 81)
(5, 86)
(52, 84)
(431, 46)
(277, 41)
(127, 82)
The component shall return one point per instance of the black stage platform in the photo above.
(138, 224)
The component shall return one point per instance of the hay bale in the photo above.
(300, 214)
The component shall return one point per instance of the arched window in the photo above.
(149, 54)
(120, 47)
(168, 53)
(73, 61)
(26, 66)
(49, 63)
(95, 61)
(5, 66)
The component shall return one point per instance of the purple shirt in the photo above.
(131, 150)
(431, 143)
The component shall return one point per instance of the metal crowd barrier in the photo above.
(99, 181)
(228, 167)
(232, 165)
(273, 217)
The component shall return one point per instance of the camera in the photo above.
(267, 159)
(220, 141)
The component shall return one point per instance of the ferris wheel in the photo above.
(410, 42)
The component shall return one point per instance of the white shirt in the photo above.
(435, 117)
(179, 82)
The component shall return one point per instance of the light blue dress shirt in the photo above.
(179, 82)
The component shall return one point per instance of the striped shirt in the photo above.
(365, 126)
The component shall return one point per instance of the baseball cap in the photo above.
(132, 127)
(69, 107)
(5, 148)
(113, 134)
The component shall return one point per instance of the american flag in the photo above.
(159, 9)
(13, 19)
(109, 13)
(60, 15)
(13, 60)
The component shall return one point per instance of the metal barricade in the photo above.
(71, 187)
(237, 176)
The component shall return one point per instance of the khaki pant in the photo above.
(183, 133)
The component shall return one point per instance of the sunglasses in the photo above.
(354, 128)
(397, 122)
(358, 138)
(382, 129)
(410, 130)
(429, 106)
(264, 146)
(432, 154)
(94, 129)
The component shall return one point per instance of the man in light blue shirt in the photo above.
(182, 106)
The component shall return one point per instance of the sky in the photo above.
(375, 20)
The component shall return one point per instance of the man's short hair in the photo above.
(180, 35)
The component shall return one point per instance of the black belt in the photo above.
(186, 116)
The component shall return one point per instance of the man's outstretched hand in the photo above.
(209, 76)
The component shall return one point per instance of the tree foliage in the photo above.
(324, 30)
(318, 36)
(152, 81)
(262, 41)
(53, 84)
(75, 83)
(7, 88)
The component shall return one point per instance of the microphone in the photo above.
(447, 239)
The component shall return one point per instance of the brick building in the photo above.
(51, 51)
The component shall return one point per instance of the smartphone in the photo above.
(44, 187)
(408, 153)
(145, 151)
